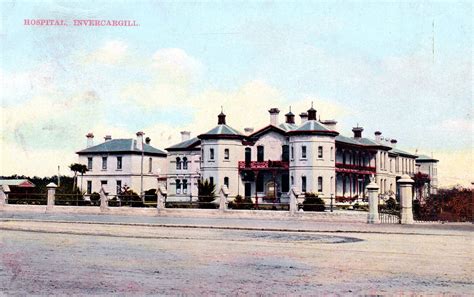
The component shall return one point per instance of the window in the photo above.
(248, 155)
(226, 181)
(285, 152)
(185, 163)
(260, 178)
(119, 186)
(211, 180)
(260, 153)
(89, 186)
(320, 184)
(320, 151)
(103, 182)
(292, 152)
(292, 180)
(89, 163)
(104, 163)
(150, 164)
(226, 154)
(303, 184)
(178, 186)
(211, 154)
(285, 182)
(303, 151)
(178, 163)
(332, 153)
(185, 186)
(119, 163)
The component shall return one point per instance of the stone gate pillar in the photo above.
(223, 193)
(51, 195)
(160, 204)
(293, 202)
(3, 197)
(373, 216)
(406, 196)
(103, 201)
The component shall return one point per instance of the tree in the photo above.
(206, 194)
(77, 168)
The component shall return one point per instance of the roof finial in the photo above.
(222, 109)
(290, 108)
(311, 104)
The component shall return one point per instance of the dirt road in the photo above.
(66, 258)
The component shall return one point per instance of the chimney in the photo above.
(274, 116)
(185, 135)
(248, 131)
(90, 139)
(331, 124)
(221, 118)
(290, 117)
(311, 113)
(394, 143)
(140, 140)
(108, 137)
(148, 140)
(304, 117)
(357, 131)
(378, 136)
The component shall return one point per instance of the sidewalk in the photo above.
(283, 224)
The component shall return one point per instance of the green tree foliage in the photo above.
(206, 194)
(128, 197)
(313, 203)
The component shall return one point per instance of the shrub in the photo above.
(391, 204)
(150, 195)
(95, 199)
(313, 203)
(129, 198)
(206, 194)
(241, 203)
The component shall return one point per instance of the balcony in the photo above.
(255, 165)
(350, 168)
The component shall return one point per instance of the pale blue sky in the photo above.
(372, 60)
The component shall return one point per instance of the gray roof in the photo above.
(121, 146)
(223, 130)
(287, 127)
(358, 141)
(312, 126)
(401, 152)
(425, 158)
(187, 144)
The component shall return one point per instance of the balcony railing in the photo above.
(354, 168)
(263, 165)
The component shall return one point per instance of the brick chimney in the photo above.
(90, 139)
(248, 130)
(304, 117)
(274, 116)
(148, 140)
(108, 137)
(394, 143)
(331, 124)
(185, 135)
(140, 140)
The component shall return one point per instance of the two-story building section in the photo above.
(428, 166)
(312, 157)
(116, 163)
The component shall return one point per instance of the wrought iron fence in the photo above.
(27, 198)
(388, 215)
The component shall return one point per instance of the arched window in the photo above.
(226, 154)
(185, 163)
(178, 163)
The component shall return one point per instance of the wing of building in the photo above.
(118, 163)
(311, 156)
